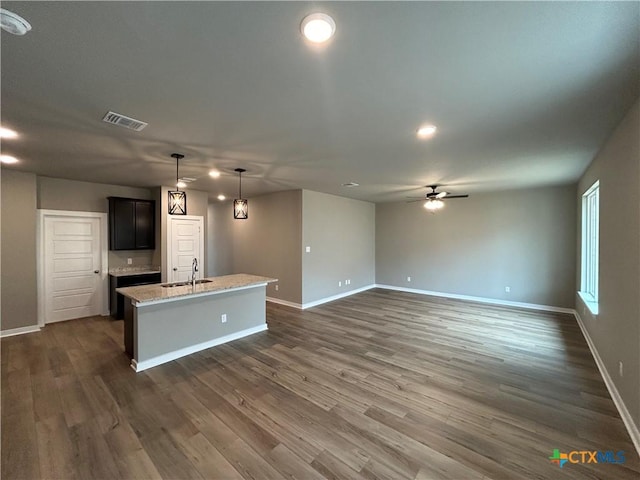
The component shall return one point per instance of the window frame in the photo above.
(590, 247)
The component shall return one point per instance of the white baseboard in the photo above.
(315, 303)
(284, 302)
(19, 331)
(493, 301)
(632, 428)
(167, 357)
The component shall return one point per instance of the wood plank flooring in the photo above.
(380, 385)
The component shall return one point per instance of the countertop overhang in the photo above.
(143, 295)
(131, 273)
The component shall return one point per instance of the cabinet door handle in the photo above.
(96, 271)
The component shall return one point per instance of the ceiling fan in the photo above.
(434, 200)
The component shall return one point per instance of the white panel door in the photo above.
(72, 264)
(186, 244)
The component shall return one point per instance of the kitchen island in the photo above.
(164, 322)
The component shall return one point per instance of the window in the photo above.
(590, 246)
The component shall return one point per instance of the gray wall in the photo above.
(18, 250)
(268, 242)
(479, 245)
(62, 194)
(341, 234)
(616, 330)
(220, 239)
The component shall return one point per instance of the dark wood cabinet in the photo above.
(131, 224)
(117, 281)
(144, 225)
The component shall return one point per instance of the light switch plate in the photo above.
(307, 249)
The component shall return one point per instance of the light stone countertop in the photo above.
(128, 271)
(156, 293)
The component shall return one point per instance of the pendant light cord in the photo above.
(177, 156)
(240, 184)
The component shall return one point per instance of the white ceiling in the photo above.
(523, 94)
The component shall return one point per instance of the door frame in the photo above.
(40, 260)
(169, 243)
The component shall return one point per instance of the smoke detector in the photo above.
(124, 121)
(13, 23)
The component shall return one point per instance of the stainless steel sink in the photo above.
(184, 284)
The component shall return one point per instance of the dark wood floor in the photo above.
(381, 385)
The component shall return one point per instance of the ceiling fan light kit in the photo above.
(434, 204)
(434, 200)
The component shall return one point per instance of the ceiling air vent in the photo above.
(124, 121)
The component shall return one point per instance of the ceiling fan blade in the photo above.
(442, 194)
(456, 196)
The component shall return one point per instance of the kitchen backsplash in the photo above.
(139, 258)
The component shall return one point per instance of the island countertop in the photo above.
(159, 292)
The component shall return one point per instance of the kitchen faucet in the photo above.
(194, 269)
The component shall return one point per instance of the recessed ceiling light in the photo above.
(221, 197)
(214, 173)
(8, 159)
(181, 184)
(318, 27)
(351, 184)
(426, 131)
(7, 133)
(13, 23)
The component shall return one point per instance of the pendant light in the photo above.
(177, 199)
(240, 205)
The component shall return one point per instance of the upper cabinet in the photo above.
(131, 224)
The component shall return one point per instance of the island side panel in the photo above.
(168, 328)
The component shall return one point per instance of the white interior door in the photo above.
(72, 267)
(186, 241)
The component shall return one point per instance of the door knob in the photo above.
(175, 269)
(96, 271)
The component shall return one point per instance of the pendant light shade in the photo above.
(177, 199)
(240, 205)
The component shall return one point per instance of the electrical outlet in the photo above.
(223, 318)
(507, 289)
(129, 261)
(339, 284)
(276, 287)
(620, 370)
(307, 249)
(408, 279)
